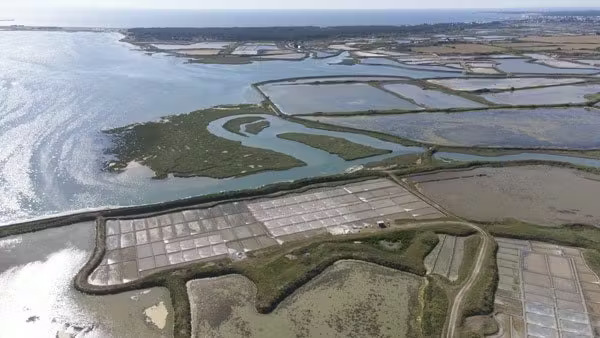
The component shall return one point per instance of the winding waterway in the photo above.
(59, 90)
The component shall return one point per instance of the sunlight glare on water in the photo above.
(60, 90)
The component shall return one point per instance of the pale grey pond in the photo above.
(540, 128)
(524, 66)
(471, 84)
(332, 98)
(59, 90)
(431, 98)
(549, 95)
(379, 61)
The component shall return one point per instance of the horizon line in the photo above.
(308, 9)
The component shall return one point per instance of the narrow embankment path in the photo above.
(455, 312)
(454, 318)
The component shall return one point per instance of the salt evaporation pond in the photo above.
(501, 83)
(548, 95)
(575, 128)
(332, 98)
(431, 98)
(526, 67)
(59, 90)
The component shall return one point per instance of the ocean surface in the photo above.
(241, 18)
(59, 90)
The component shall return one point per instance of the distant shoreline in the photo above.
(276, 33)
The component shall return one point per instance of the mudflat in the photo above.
(537, 194)
(39, 300)
(349, 299)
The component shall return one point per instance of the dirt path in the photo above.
(453, 321)
(455, 311)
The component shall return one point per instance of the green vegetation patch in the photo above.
(397, 162)
(334, 145)
(235, 125)
(280, 270)
(593, 97)
(257, 127)
(278, 276)
(471, 247)
(582, 236)
(181, 145)
(480, 298)
(435, 309)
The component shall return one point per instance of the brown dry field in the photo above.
(536, 194)
(532, 46)
(459, 48)
(522, 44)
(349, 299)
(564, 39)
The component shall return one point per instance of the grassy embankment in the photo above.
(440, 290)
(235, 125)
(181, 145)
(334, 145)
(479, 301)
(595, 98)
(278, 271)
(435, 311)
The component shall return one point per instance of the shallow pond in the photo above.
(543, 195)
(38, 298)
(546, 128)
(320, 54)
(337, 79)
(526, 67)
(431, 68)
(549, 95)
(431, 98)
(501, 83)
(379, 61)
(59, 90)
(331, 98)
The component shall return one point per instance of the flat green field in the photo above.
(181, 145)
(338, 146)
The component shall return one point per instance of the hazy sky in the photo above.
(286, 4)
